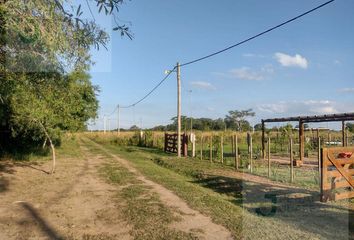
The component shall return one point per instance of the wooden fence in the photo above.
(337, 172)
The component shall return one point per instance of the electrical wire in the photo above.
(149, 93)
(257, 35)
(88, 5)
(221, 51)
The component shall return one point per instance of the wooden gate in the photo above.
(337, 172)
(171, 143)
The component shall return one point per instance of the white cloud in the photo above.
(300, 107)
(291, 61)
(346, 90)
(245, 73)
(273, 108)
(202, 85)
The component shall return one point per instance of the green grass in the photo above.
(212, 189)
(193, 185)
(141, 207)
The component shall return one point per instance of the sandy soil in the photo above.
(75, 203)
(71, 204)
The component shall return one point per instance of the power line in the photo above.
(255, 36)
(144, 97)
(88, 5)
(152, 90)
(221, 51)
(114, 110)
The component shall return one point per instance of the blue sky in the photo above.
(304, 68)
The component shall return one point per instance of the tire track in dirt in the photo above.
(190, 218)
(74, 203)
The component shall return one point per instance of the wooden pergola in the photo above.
(343, 117)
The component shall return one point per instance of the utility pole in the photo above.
(118, 121)
(178, 110)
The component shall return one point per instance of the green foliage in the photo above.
(44, 87)
(350, 127)
(237, 119)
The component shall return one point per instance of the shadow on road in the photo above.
(42, 223)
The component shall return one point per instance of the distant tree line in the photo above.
(234, 120)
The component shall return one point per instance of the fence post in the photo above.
(291, 161)
(222, 148)
(232, 144)
(211, 149)
(268, 155)
(201, 147)
(319, 159)
(236, 153)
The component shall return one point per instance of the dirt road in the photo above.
(76, 203)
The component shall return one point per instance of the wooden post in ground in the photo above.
(201, 147)
(222, 148)
(319, 158)
(268, 155)
(236, 154)
(343, 134)
(301, 141)
(291, 161)
(233, 144)
(263, 139)
(211, 149)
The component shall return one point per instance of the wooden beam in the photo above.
(315, 118)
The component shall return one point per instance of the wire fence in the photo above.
(246, 155)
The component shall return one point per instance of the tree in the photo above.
(134, 128)
(56, 104)
(258, 127)
(238, 118)
(287, 130)
(44, 87)
(350, 127)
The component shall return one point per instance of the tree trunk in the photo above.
(51, 146)
(45, 142)
(53, 155)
